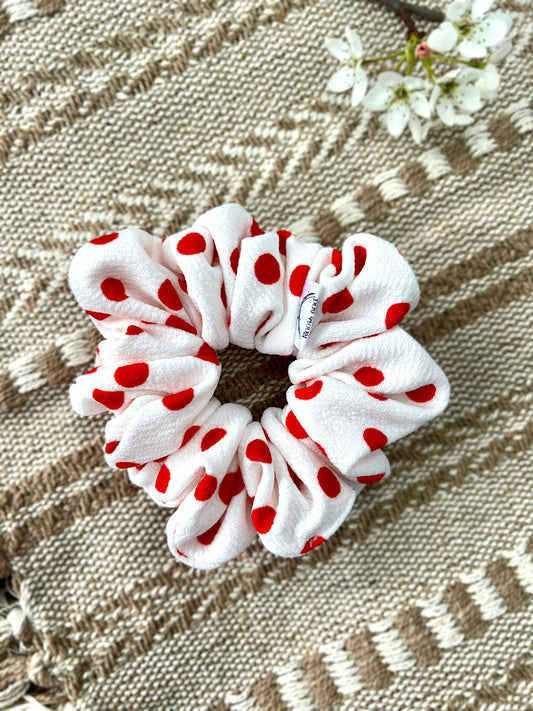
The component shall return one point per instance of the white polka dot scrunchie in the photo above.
(165, 307)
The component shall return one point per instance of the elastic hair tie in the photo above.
(164, 307)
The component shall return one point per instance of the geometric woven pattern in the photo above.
(149, 114)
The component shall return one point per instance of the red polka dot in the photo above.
(395, 314)
(161, 459)
(259, 451)
(336, 260)
(113, 289)
(184, 555)
(189, 434)
(422, 394)
(176, 322)
(193, 243)
(207, 353)
(255, 229)
(212, 437)
(313, 542)
(336, 303)
(298, 483)
(234, 260)
(209, 536)
(263, 518)
(111, 446)
(374, 438)
(205, 488)
(112, 400)
(104, 239)
(309, 392)
(133, 330)
(223, 296)
(267, 269)
(97, 315)
(231, 485)
(321, 448)
(377, 396)
(163, 479)
(359, 259)
(92, 370)
(168, 296)
(370, 478)
(139, 466)
(183, 284)
(369, 376)
(177, 401)
(131, 376)
(297, 279)
(328, 482)
(294, 427)
(283, 236)
(125, 465)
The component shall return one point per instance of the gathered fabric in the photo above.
(164, 309)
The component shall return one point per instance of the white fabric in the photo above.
(164, 307)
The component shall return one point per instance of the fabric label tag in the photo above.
(306, 313)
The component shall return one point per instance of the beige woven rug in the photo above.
(149, 112)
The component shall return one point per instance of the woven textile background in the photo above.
(148, 112)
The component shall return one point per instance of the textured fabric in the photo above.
(291, 479)
(148, 114)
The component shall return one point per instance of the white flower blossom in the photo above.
(471, 27)
(404, 100)
(456, 96)
(418, 94)
(351, 75)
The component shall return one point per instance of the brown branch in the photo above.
(406, 10)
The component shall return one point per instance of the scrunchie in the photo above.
(165, 307)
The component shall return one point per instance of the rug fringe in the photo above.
(21, 666)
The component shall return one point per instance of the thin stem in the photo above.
(477, 65)
(402, 60)
(427, 66)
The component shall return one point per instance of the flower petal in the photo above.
(468, 98)
(378, 98)
(471, 49)
(339, 49)
(356, 46)
(492, 29)
(457, 10)
(397, 117)
(501, 51)
(413, 83)
(342, 80)
(360, 85)
(480, 7)
(390, 79)
(446, 110)
(418, 129)
(443, 38)
(434, 97)
(463, 119)
(418, 101)
(488, 82)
